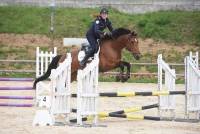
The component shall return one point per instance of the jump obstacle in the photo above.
(127, 110)
(16, 88)
(87, 91)
(166, 92)
(164, 104)
(192, 85)
(60, 93)
(127, 116)
(42, 61)
(16, 97)
(132, 94)
(166, 98)
(15, 105)
(58, 101)
(115, 113)
(15, 79)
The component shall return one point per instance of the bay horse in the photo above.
(109, 57)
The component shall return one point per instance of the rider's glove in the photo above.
(106, 34)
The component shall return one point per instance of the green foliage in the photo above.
(131, 80)
(18, 66)
(17, 75)
(152, 69)
(21, 20)
(169, 26)
(142, 23)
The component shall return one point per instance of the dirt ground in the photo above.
(19, 120)
(34, 40)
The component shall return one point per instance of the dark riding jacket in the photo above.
(98, 26)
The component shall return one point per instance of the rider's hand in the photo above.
(106, 34)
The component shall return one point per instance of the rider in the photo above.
(96, 32)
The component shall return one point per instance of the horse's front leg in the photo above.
(128, 66)
(120, 76)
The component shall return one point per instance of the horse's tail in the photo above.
(52, 65)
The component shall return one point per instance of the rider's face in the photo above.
(104, 15)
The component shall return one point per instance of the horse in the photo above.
(109, 56)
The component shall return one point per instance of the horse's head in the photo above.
(132, 45)
(128, 40)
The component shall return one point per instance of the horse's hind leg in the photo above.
(73, 76)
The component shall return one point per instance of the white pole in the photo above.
(37, 61)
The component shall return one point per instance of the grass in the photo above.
(14, 52)
(17, 75)
(169, 26)
(21, 20)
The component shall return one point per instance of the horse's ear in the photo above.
(133, 33)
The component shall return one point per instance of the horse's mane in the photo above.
(119, 32)
(115, 34)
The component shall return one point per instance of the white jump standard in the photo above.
(166, 103)
(87, 91)
(192, 85)
(43, 58)
(59, 94)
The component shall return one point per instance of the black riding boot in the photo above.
(83, 62)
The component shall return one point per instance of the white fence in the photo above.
(68, 42)
(87, 92)
(166, 103)
(56, 95)
(43, 59)
(61, 87)
(59, 92)
(192, 79)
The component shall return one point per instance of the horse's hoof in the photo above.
(118, 78)
(124, 79)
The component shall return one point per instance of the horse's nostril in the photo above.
(137, 56)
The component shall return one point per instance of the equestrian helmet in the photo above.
(104, 10)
